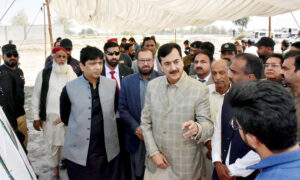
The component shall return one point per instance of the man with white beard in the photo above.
(45, 105)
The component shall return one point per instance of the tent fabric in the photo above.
(155, 15)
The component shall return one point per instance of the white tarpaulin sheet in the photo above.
(155, 15)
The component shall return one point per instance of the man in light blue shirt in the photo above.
(265, 115)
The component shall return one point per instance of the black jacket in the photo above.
(8, 91)
(18, 76)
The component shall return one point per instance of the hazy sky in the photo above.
(32, 8)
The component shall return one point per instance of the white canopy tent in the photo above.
(155, 15)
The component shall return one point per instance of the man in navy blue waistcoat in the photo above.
(230, 155)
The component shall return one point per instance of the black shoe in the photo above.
(63, 164)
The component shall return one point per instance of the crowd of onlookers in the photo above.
(147, 111)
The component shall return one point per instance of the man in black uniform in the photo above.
(12, 83)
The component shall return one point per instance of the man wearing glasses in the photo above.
(11, 57)
(273, 68)
(131, 103)
(151, 44)
(230, 155)
(265, 117)
(112, 68)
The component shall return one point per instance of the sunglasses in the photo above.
(10, 54)
(144, 60)
(111, 53)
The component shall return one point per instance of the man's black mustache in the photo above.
(199, 68)
(172, 72)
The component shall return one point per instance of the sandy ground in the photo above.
(32, 61)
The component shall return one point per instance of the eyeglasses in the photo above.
(111, 53)
(10, 54)
(272, 65)
(144, 60)
(234, 124)
(150, 45)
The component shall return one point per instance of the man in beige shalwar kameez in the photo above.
(175, 118)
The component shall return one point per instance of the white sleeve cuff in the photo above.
(238, 168)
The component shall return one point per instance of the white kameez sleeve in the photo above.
(35, 100)
(216, 140)
(238, 168)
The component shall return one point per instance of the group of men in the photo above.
(154, 114)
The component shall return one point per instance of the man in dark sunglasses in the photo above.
(11, 57)
(113, 69)
(112, 63)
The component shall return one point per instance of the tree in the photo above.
(127, 33)
(90, 31)
(243, 22)
(82, 32)
(66, 23)
(20, 19)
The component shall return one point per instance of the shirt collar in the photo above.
(88, 80)
(206, 78)
(276, 160)
(107, 70)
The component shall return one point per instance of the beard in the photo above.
(145, 71)
(60, 69)
(132, 56)
(262, 57)
(11, 63)
(113, 62)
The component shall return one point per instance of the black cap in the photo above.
(244, 40)
(196, 44)
(186, 42)
(8, 48)
(66, 43)
(286, 43)
(265, 41)
(228, 47)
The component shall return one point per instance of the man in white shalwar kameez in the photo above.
(45, 105)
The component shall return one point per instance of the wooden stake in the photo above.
(269, 27)
(45, 29)
(175, 35)
(49, 22)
